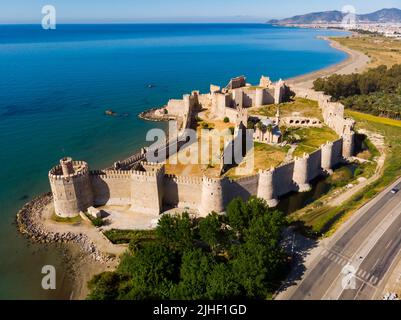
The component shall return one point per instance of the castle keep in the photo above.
(146, 188)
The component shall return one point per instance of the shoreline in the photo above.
(87, 257)
(89, 252)
(355, 62)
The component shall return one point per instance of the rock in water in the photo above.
(110, 113)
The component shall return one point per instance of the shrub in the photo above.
(125, 236)
(97, 222)
(226, 120)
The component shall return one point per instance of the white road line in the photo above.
(345, 228)
(389, 243)
(376, 263)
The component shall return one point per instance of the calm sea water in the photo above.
(55, 86)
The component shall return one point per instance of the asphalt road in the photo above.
(370, 244)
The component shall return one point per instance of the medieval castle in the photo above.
(146, 188)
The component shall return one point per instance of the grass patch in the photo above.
(72, 220)
(302, 107)
(309, 139)
(126, 236)
(265, 157)
(366, 118)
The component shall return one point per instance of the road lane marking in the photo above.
(376, 263)
(348, 226)
(390, 242)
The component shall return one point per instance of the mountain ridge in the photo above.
(387, 15)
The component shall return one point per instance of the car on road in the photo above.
(394, 191)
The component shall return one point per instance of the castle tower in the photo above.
(301, 173)
(259, 93)
(348, 145)
(266, 187)
(265, 82)
(279, 91)
(67, 166)
(212, 196)
(147, 189)
(71, 187)
(327, 157)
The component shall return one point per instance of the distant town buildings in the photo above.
(390, 30)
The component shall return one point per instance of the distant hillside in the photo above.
(384, 16)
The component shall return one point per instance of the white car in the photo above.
(394, 191)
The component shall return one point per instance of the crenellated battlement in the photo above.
(80, 169)
(184, 179)
(71, 187)
(244, 179)
(146, 188)
(110, 174)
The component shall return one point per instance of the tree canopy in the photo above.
(376, 91)
(235, 255)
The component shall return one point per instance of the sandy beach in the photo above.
(356, 62)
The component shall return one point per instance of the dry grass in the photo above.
(300, 106)
(267, 156)
(264, 157)
(198, 167)
(381, 50)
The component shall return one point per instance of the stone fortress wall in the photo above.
(146, 188)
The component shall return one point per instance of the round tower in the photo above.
(327, 157)
(348, 145)
(212, 196)
(71, 187)
(301, 174)
(266, 187)
(259, 97)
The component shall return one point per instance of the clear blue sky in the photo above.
(68, 11)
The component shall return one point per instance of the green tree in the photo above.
(153, 270)
(105, 286)
(221, 284)
(176, 232)
(213, 232)
(237, 215)
(195, 268)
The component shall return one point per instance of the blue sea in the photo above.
(56, 84)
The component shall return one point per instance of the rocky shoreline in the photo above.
(150, 115)
(29, 222)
